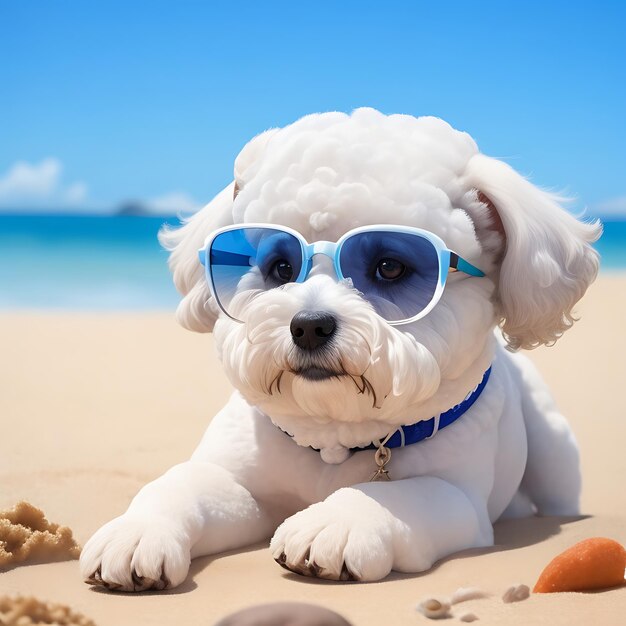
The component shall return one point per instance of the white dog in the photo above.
(325, 361)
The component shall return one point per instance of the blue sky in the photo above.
(107, 102)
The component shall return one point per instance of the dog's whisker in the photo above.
(355, 380)
(274, 382)
(366, 385)
(278, 379)
(370, 389)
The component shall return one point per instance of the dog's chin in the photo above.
(317, 374)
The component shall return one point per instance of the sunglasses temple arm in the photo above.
(460, 264)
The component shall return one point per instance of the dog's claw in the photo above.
(164, 580)
(139, 582)
(282, 560)
(346, 574)
(97, 580)
(314, 568)
(92, 580)
(110, 586)
(311, 569)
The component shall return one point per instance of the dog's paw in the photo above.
(349, 536)
(132, 554)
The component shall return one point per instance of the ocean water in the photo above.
(84, 263)
(116, 263)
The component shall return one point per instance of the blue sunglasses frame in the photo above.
(448, 259)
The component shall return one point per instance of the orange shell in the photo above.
(596, 563)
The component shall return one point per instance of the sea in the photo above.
(97, 263)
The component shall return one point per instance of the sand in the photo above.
(92, 406)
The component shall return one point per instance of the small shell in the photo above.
(468, 617)
(434, 608)
(516, 593)
(462, 594)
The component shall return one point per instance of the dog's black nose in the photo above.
(312, 329)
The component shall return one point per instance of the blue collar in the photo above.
(425, 429)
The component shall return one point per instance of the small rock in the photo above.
(516, 593)
(284, 614)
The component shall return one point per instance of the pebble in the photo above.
(516, 593)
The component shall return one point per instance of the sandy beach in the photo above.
(93, 406)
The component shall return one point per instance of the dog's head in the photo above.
(329, 173)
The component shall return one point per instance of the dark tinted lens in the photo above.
(397, 273)
(246, 261)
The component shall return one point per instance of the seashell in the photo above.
(434, 608)
(516, 593)
(468, 617)
(462, 594)
(596, 563)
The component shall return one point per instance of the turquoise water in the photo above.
(84, 263)
(116, 263)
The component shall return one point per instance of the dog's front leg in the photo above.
(196, 508)
(365, 531)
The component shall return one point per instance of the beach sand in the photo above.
(93, 406)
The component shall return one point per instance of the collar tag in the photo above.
(382, 457)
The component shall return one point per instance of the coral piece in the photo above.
(27, 536)
(24, 611)
(516, 593)
(596, 563)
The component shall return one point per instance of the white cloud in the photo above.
(76, 193)
(175, 203)
(612, 208)
(38, 186)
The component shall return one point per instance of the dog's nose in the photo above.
(312, 329)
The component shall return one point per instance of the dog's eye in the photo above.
(282, 271)
(389, 269)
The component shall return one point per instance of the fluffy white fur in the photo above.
(511, 453)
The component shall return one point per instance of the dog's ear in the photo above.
(547, 261)
(197, 310)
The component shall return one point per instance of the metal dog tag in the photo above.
(382, 457)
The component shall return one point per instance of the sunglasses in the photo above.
(401, 271)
